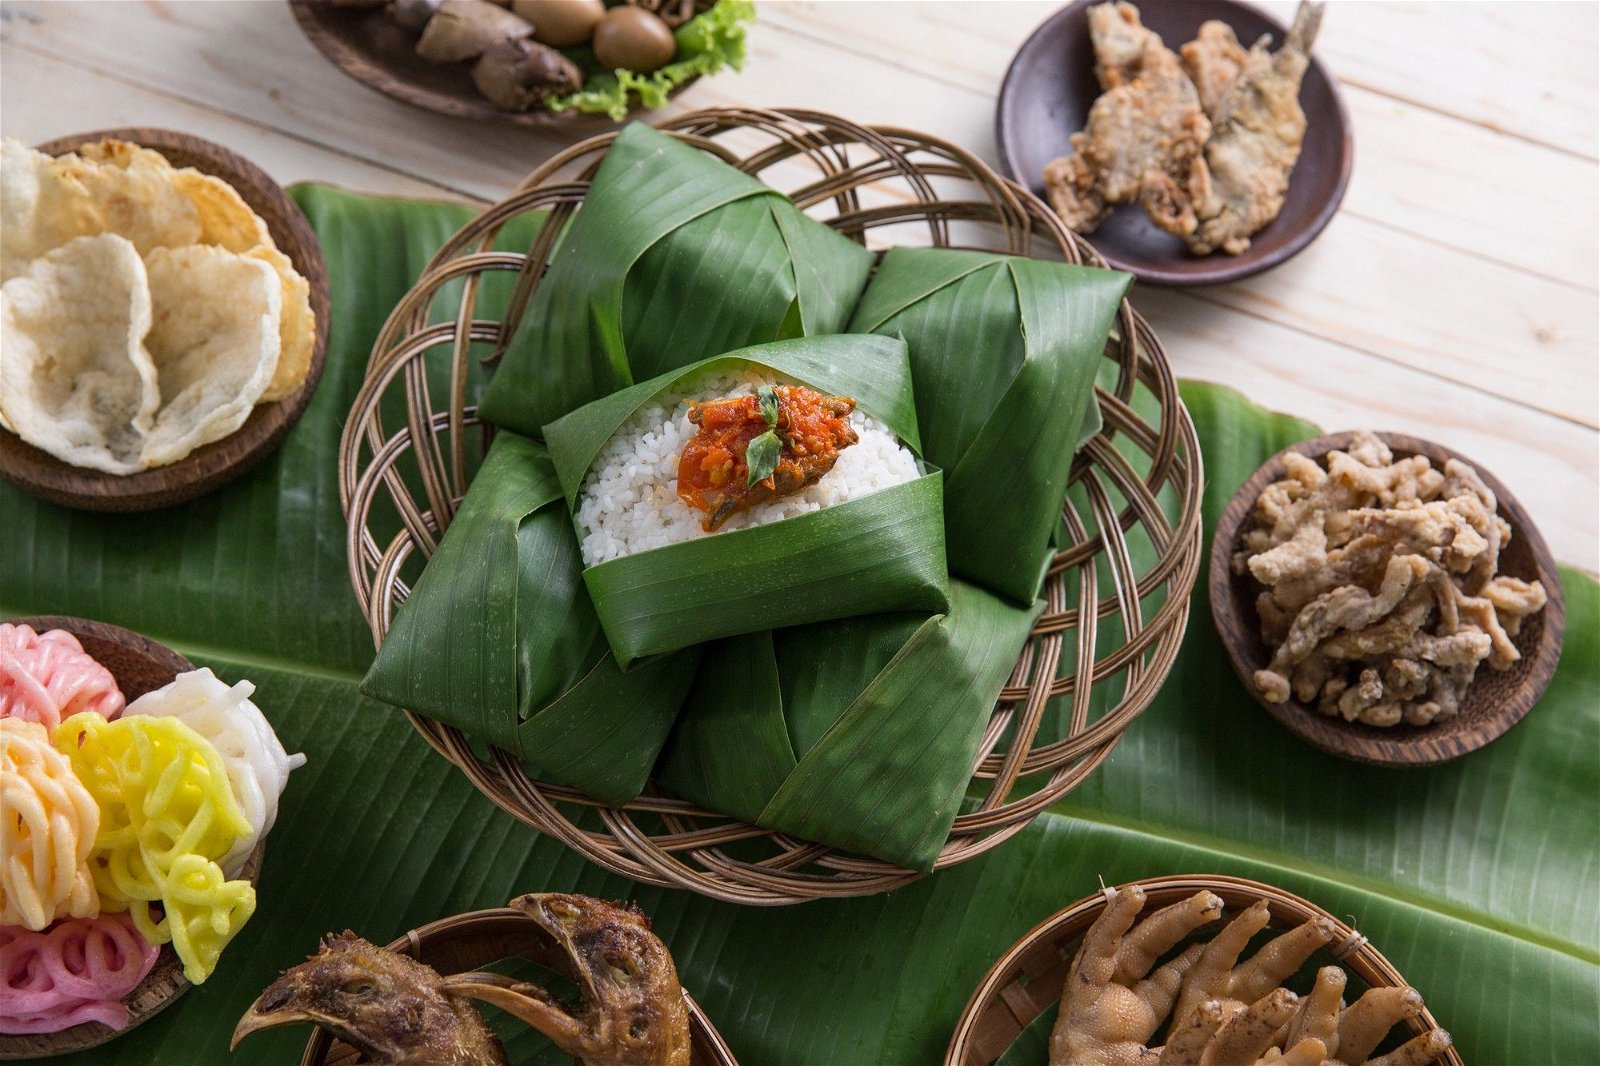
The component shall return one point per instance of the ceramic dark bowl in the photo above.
(1046, 98)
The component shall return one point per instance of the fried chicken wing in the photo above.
(1256, 131)
(1145, 135)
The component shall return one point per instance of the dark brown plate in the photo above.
(368, 46)
(1046, 98)
(43, 475)
(1497, 700)
(473, 940)
(140, 665)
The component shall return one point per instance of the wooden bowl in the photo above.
(43, 475)
(140, 665)
(1026, 981)
(1046, 97)
(369, 47)
(470, 941)
(1497, 700)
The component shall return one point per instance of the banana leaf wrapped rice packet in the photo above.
(860, 734)
(777, 485)
(499, 639)
(674, 256)
(1003, 356)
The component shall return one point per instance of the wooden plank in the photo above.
(1524, 68)
(249, 60)
(83, 100)
(1416, 170)
(1552, 465)
(932, 66)
(1457, 317)
(1446, 180)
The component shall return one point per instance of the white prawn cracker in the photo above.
(75, 379)
(214, 341)
(258, 767)
(297, 325)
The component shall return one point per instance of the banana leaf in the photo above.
(628, 295)
(1003, 353)
(499, 639)
(880, 552)
(860, 734)
(1475, 878)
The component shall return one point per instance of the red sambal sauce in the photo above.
(712, 474)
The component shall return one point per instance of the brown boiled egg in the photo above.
(561, 23)
(634, 39)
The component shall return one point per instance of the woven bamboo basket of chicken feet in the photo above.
(1117, 596)
(1027, 981)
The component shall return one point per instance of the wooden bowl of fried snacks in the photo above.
(140, 665)
(1496, 698)
(477, 939)
(1027, 981)
(211, 465)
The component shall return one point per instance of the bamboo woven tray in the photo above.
(1118, 595)
(140, 665)
(473, 940)
(1026, 981)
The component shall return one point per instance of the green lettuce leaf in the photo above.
(706, 43)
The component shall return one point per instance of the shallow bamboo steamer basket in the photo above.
(470, 941)
(881, 186)
(1027, 980)
(139, 665)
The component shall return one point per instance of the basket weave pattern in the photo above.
(1117, 596)
(1027, 980)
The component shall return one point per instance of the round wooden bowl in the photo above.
(1497, 700)
(43, 475)
(140, 665)
(1051, 85)
(1026, 981)
(471, 941)
(1140, 478)
(369, 47)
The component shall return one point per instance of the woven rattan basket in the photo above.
(476, 939)
(1026, 981)
(1118, 595)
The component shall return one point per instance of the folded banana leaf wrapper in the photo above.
(674, 256)
(1003, 356)
(860, 734)
(500, 640)
(883, 551)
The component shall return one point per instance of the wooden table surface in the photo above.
(1453, 297)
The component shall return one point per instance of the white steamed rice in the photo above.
(629, 500)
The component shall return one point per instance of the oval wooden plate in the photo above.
(1027, 980)
(1051, 85)
(476, 939)
(43, 475)
(140, 665)
(1497, 700)
(369, 47)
